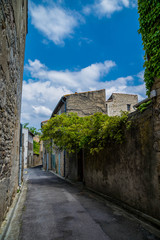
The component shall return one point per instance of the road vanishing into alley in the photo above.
(57, 210)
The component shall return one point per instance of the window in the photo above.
(128, 107)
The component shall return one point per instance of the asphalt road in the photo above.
(57, 210)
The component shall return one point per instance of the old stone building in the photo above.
(120, 102)
(84, 104)
(13, 30)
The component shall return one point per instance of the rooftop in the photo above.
(44, 121)
(127, 94)
(82, 92)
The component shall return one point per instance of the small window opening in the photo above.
(128, 107)
(107, 108)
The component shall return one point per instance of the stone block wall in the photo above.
(120, 102)
(130, 172)
(87, 103)
(156, 137)
(37, 160)
(71, 166)
(13, 29)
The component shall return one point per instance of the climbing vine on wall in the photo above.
(72, 133)
(149, 19)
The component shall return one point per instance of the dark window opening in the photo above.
(107, 108)
(128, 107)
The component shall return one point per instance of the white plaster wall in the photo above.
(30, 138)
(25, 132)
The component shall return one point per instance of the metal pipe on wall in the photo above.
(20, 158)
(64, 152)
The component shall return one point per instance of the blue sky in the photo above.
(79, 46)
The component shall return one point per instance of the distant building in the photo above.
(84, 103)
(28, 147)
(120, 102)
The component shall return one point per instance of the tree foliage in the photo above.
(149, 19)
(31, 129)
(71, 132)
(36, 147)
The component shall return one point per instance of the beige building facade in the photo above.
(120, 102)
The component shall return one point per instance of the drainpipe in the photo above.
(64, 163)
(47, 161)
(64, 152)
(51, 154)
(20, 157)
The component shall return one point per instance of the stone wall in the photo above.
(87, 103)
(156, 139)
(13, 29)
(37, 160)
(130, 172)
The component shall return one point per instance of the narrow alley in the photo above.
(57, 210)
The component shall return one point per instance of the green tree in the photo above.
(36, 147)
(31, 129)
(71, 132)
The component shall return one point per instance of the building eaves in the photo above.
(44, 121)
(31, 133)
(109, 100)
(63, 99)
(124, 94)
(76, 93)
(59, 104)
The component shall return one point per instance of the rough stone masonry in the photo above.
(129, 173)
(13, 29)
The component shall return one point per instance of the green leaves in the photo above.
(149, 19)
(70, 132)
(144, 106)
(31, 129)
(36, 147)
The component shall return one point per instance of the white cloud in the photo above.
(140, 75)
(41, 94)
(54, 22)
(38, 100)
(106, 8)
(72, 80)
(122, 85)
(42, 110)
